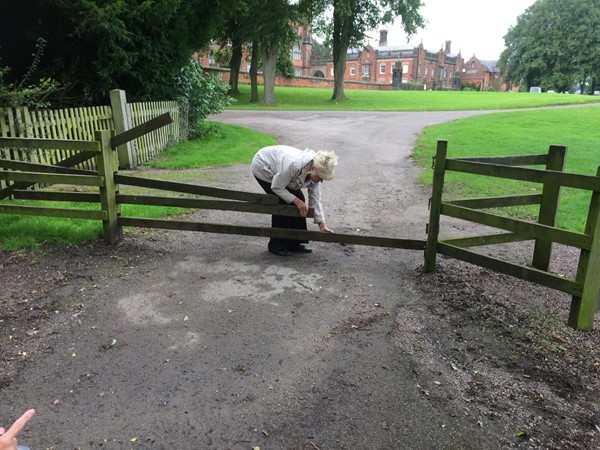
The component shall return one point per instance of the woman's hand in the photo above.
(324, 228)
(8, 439)
(302, 207)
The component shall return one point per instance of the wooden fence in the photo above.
(585, 288)
(81, 124)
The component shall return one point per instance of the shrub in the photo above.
(201, 96)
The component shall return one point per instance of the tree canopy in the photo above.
(95, 46)
(555, 44)
(353, 19)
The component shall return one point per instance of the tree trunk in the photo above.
(254, 73)
(269, 52)
(234, 67)
(341, 37)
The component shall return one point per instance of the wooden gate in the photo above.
(25, 174)
(585, 288)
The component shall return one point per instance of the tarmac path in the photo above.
(198, 341)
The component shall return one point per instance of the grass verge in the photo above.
(518, 133)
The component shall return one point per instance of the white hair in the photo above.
(324, 164)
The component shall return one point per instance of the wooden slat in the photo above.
(57, 196)
(50, 144)
(516, 270)
(549, 207)
(196, 189)
(488, 239)
(498, 202)
(531, 230)
(583, 307)
(69, 162)
(222, 205)
(374, 241)
(140, 130)
(32, 167)
(435, 206)
(573, 180)
(52, 178)
(517, 160)
(66, 213)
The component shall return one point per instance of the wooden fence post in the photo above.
(548, 207)
(105, 161)
(123, 121)
(583, 309)
(433, 228)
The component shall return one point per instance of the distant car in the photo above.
(535, 89)
(551, 91)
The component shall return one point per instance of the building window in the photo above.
(426, 70)
(472, 64)
(298, 72)
(332, 73)
(382, 69)
(211, 59)
(352, 70)
(404, 68)
(297, 52)
(366, 70)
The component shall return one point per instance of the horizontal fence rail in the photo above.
(81, 124)
(585, 289)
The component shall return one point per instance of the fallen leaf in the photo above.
(133, 439)
(265, 432)
(114, 341)
(186, 318)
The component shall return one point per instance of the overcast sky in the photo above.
(475, 27)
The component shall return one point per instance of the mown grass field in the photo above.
(519, 132)
(317, 99)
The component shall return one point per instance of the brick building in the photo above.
(300, 53)
(483, 75)
(435, 70)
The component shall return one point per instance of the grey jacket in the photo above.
(287, 167)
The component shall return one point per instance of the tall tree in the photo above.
(352, 20)
(554, 44)
(274, 29)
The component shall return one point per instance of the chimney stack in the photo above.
(448, 43)
(383, 38)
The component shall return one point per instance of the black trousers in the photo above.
(287, 222)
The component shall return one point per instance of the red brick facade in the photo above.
(376, 65)
(483, 75)
(369, 65)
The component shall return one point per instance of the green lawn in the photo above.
(313, 99)
(518, 133)
(230, 145)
